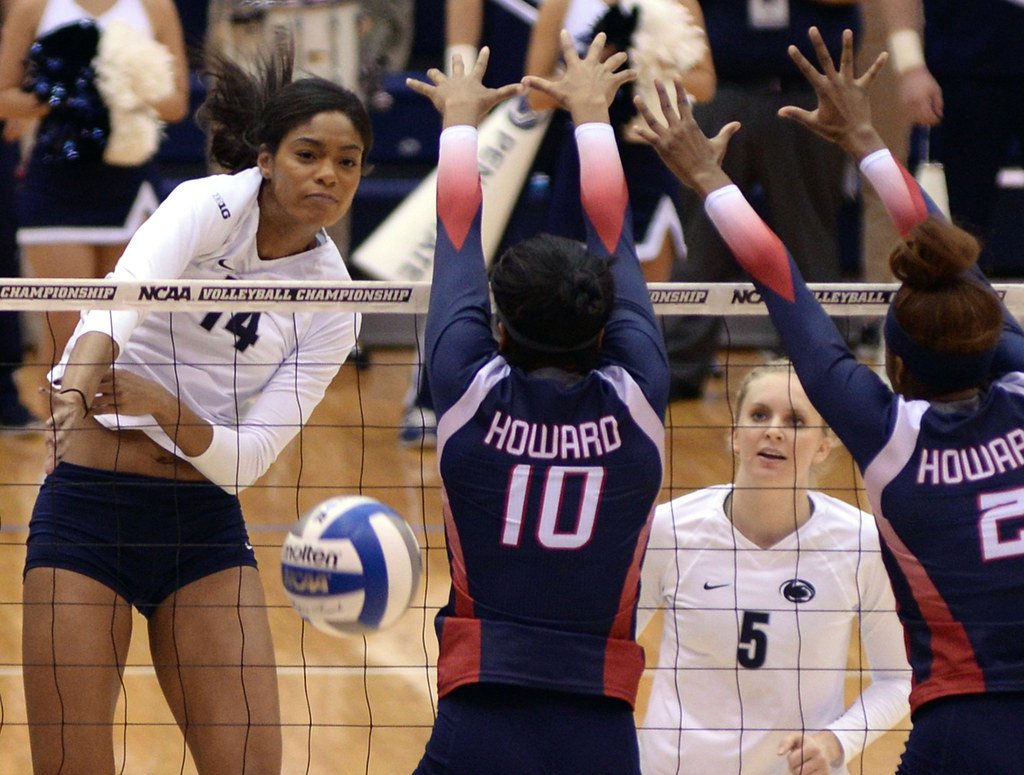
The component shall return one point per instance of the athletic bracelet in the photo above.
(81, 395)
(906, 49)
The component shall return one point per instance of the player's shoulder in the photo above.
(331, 264)
(1011, 382)
(848, 524)
(694, 507)
(221, 197)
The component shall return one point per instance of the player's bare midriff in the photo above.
(129, 452)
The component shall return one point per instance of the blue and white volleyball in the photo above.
(350, 565)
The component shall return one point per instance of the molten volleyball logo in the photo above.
(350, 565)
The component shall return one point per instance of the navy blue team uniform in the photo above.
(946, 484)
(549, 481)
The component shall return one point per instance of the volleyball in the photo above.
(350, 565)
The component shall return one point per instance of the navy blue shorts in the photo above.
(969, 734)
(510, 730)
(88, 203)
(142, 536)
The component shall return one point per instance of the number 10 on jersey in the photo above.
(555, 505)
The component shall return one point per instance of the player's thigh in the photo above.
(75, 637)
(214, 657)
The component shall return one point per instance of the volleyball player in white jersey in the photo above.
(762, 582)
(140, 507)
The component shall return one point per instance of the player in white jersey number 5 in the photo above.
(763, 582)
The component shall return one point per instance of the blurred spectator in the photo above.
(653, 190)
(801, 199)
(967, 82)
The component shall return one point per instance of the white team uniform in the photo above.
(755, 641)
(256, 377)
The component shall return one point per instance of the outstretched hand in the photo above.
(843, 114)
(462, 97)
(692, 157)
(588, 85)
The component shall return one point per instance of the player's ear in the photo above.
(895, 370)
(265, 161)
(824, 449)
(502, 337)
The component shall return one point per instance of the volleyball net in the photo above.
(366, 704)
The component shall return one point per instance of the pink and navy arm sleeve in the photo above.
(458, 329)
(908, 205)
(905, 201)
(850, 396)
(632, 337)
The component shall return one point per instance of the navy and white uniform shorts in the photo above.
(144, 537)
(499, 729)
(88, 203)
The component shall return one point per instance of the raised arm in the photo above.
(463, 27)
(851, 397)
(458, 330)
(632, 337)
(542, 53)
(843, 117)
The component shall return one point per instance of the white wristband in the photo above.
(467, 51)
(906, 49)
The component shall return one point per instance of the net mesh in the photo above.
(366, 704)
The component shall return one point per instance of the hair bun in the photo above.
(934, 255)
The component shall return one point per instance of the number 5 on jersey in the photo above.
(753, 646)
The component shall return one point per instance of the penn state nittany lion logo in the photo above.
(797, 591)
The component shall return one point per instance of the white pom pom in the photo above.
(132, 72)
(666, 44)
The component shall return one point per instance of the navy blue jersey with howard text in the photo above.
(945, 480)
(549, 479)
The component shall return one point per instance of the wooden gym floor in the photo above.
(350, 706)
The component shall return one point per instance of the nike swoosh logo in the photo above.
(709, 585)
(220, 262)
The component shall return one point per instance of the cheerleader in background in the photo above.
(101, 76)
(664, 39)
